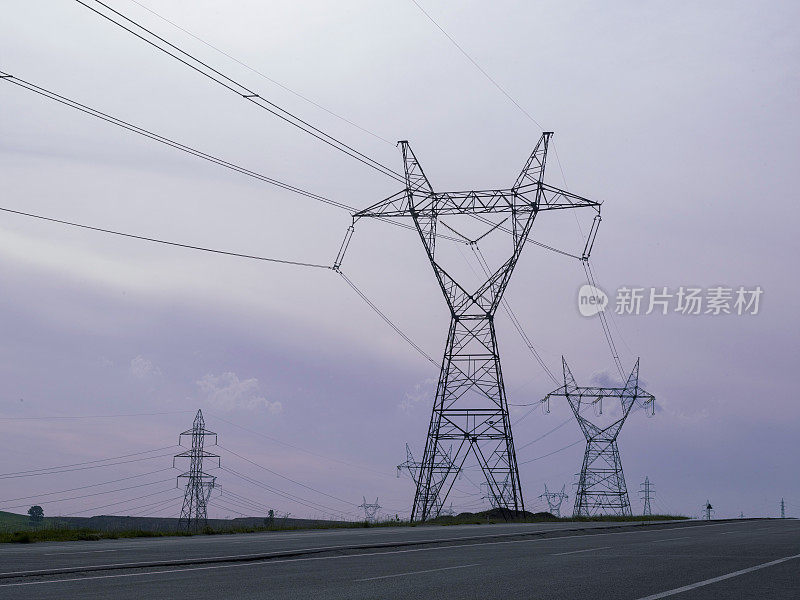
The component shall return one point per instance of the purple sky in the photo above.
(682, 119)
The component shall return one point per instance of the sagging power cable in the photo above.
(194, 63)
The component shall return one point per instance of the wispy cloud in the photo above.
(227, 392)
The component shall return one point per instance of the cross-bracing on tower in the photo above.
(370, 509)
(199, 484)
(470, 409)
(443, 465)
(601, 485)
(554, 499)
(646, 493)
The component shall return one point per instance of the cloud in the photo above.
(142, 368)
(228, 392)
(423, 391)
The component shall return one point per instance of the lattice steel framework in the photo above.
(370, 509)
(601, 484)
(646, 493)
(470, 409)
(199, 484)
(554, 499)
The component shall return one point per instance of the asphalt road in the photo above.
(687, 560)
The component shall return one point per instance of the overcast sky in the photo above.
(682, 118)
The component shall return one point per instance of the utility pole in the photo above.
(199, 484)
(708, 509)
(470, 409)
(554, 500)
(783, 509)
(370, 510)
(646, 493)
(601, 486)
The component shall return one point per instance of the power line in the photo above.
(80, 512)
(476, 65)
(388, 321)
(286, 495)
(239, 89)
(261, 74)
(530, 460)
(131, 487)
(295, 447)
(544, 435)
(165, 242)
(86, 486)
(51, 95)
(174, 412)
(308, 487)
(111, 464)
(88, 462)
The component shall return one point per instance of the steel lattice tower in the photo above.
(470, 409)
(601, 485)
(554, 499)
(370, 509)
(199, 484)
(646, 492)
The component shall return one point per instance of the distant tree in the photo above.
(270, 520)
(36, 514)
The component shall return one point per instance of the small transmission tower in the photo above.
(444, 465)
(646, 492)
(783, 509)
(199, 484)
(370, 509)
(708, 509)
(601, 485)
(554, 500)
(470, 409)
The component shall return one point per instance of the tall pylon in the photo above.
(601, 485)
(199, 484)
(370, 509)
(708, 509)
(554, 499)
(783, 509)
(470, 408)
(646, 492)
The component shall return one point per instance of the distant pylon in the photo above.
(783, 509)
(443, 465)
(708, 509)
(601, 486)
(646, 493)
(370, 509)
(198, 483)
(554, 500)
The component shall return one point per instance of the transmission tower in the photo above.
(199, 484)
(708, 509)
(370, 509)
(554, 500)
(646, 492)
(444, 464)
(470, 408)
(601, 485)
(783, 509)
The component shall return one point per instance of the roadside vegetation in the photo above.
(19, 529)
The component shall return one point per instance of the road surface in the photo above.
(684, 560)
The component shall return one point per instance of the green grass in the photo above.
(26, 534)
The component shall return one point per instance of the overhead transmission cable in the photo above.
(88, 462)
(589, 275)
(268, 470)
(97, 466)
(261, 74)
(51, 95)
(172, 50)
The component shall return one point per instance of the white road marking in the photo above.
(693, 586)
(258, 562)
(686, 537)
(79, 552)
(418, 572)
(578, 551)
(256, 556)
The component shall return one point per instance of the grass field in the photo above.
(16, 528)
